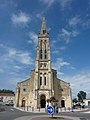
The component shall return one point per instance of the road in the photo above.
(11, 113)
(81, 115)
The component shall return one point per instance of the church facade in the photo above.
(43, 82)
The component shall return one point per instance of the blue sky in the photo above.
(68, 22)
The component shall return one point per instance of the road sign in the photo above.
(56, 109)
(50, 109)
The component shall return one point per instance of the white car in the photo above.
(9, 103)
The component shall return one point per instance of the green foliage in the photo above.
(75, 100)
(81, 95)
(6, 91)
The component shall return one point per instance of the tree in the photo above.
(81, 95)
(6, 91)
(75, 100)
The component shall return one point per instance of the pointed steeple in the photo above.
(43, 28)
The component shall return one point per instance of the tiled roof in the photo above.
(7, 94)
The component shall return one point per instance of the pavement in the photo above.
(43, 110)
(47, 117)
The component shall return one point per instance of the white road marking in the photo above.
(12, 109)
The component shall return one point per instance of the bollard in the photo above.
(72, 109)
(39, 109)
(69, 108)
(27, 108)
(32, 108)
(56, 109)
(65, 108)
(61, 109)
(24, 107)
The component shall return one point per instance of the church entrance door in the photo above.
(62, 103)
(23, 103)
(43, 101)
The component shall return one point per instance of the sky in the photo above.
(68, 22)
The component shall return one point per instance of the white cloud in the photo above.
(33, 38)
(20, 18)
(75, 33)
(65, 3)
(63, 48)
(1, 70)
(66, 35)
(25, 58)
(63, 63)
(12, 52)
(53, 42)
(55, 52)
(11, 82)
(20, 56)
(40, 15)
(5, 4)
(77, 23)
(1, 45)
(86, 24)
(74, 21)
(89, 2)
(17, 67)
(60, 63)
(65, 32)
(47, 2)
(80, 81)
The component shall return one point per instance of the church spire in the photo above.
(43, 28)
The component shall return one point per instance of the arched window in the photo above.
(44, 31)
(45, 54)
(41, 54)
(40, 80)
(41, 44)
(44, 80)
(45, 44)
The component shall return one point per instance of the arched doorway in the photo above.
(43, 101)
(62, 103)
(23, 102)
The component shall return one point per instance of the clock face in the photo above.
(43, 65)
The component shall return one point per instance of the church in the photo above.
(43, 82)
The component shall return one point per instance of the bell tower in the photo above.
(43, 72)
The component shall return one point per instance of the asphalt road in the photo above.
(81, 115)
(11, 113)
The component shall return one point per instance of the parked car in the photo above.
(9, 103)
